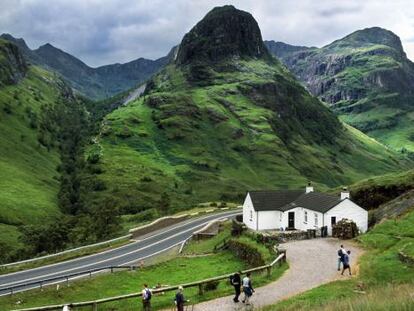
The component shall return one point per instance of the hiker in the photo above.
(235, 280)
(146, 298)
(180, 299)
(247, 288)
(347, 263)
(341, 254)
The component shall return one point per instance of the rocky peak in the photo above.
(373, 35)
(13, 67)
(224, 32)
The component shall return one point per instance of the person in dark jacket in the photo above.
(180, 299)
(347, 263)
(236, 282)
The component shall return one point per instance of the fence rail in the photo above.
(62, 278)
(125, 237)
(94, 303)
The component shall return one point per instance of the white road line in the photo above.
(110, 250)
(102, 261)
(83, 276)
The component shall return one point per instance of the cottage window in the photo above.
(316, 219)
(306, 217)
(251, 215)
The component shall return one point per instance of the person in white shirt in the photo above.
(247, 288)
(341, 254)
(146, 298)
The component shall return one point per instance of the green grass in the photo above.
(387, 283)
(171, 272)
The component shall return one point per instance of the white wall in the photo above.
(269, 220)
(350, 210)
(249, 214)
(300, 219)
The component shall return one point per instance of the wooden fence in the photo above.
(200, 284)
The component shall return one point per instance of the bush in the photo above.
(210, 286)
(246, 252)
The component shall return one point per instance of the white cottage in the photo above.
(301, 210)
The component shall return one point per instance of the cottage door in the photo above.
(291, 220)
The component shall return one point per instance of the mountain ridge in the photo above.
(97, 83)
(366, 79)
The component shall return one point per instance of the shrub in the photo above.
(210, 286)
(246, 252)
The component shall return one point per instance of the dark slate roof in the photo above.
(284, 200)
(273, 200)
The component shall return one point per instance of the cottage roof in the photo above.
(284, 200)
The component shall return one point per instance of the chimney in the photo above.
(309, 187)
(345, 193)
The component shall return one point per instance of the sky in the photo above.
(102, 32)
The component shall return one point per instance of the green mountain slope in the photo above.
(224, 118)
(366, 79)
(96, 83)
(28, 176)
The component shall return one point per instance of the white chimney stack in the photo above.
(345, 193)
(309, 188)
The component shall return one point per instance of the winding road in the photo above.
(150, 245)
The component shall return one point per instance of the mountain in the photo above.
(29, 150)
(223, 118)
(96, 83)
(365, 77)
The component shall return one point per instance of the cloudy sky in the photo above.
(108, 31)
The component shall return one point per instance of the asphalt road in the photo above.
(149, 246)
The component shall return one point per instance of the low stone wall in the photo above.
(284, 236)
(157, 224)
(209, 230)
(405, 258)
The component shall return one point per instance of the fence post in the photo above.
(269, 271)
(67, 281)
(41, 286)
(112, 269)
(94, 306)
(200, 289)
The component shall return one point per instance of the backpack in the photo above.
(231, 279)
(149, 294)
(340, 253)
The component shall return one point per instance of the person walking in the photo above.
(180, 299)
(247, 288)
(146, 298)
(347, 263)
(341, 254)
(236, 282)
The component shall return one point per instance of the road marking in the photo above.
(17, 283)
(111, 250)
(83, 276)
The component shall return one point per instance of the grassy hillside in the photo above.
(28, 177)
(367, 80)
(184, 143)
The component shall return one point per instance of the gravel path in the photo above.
(311, 263)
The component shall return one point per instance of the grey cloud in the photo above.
(101, 32)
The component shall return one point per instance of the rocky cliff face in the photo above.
(13, 67)
(365, 77)
(224, 32)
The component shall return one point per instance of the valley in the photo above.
(87, 153)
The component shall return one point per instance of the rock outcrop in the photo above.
(224, 32)
(13, 67)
